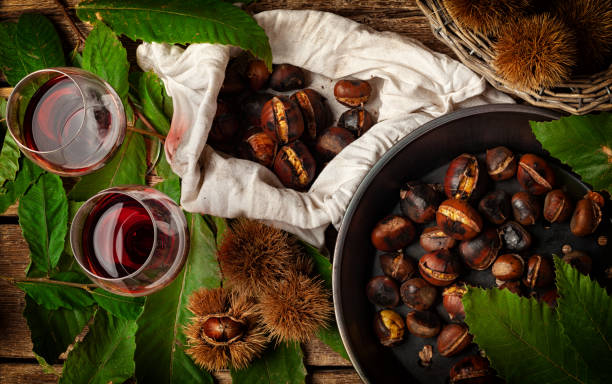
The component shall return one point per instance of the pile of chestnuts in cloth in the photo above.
(471, 225)
(275, 120)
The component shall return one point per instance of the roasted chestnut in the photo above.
(495, 207)
(282, 120)
(526, 208)
(352, 93)
(540, 272)
(513, 286)
(439, 268)
(579, 260)
(473, 369)
(418, 294)
(557, 206)
(535, 175)
(453, 338)
(220, 329)
(383, 291)
(295, 166)
(260, 147)
(331, 142)
(233, 83)
(451, 300)
(251, 107)
(225, 125)
(458, 219)
(480, 252)
(433, 239)
(464, 178)
(586, 217)
(419, 201)
(357, 120)
(397, 266)
(257, 73)
(501, 163)
(423, 324)
(549, 297)
(287, 77)
(389, 327)
(508, 267)
(392, 233)
(515, 237)
(315, 112)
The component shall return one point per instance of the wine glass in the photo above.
(130, 240)
(67, 120)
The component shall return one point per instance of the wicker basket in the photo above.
(578, 96)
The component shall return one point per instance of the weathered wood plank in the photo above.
(23, 373)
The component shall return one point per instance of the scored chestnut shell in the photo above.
(453, 338)
(287, 77)
(535, 175)
(357, 120)
(458, 219)
(397, 266)
(451, 300)
(389, 327)
(418, 294)
(439, 268)
(473, 369)
(501, 163)
(433, 239)
(424, 324)
(392, 233)
(352, 93)
(515, 237)
(464, 178)
(508, 267)
(540, 272)
(221, 330)
(331, 142)
(586, 217)
(526, 208)
(295, 166)
(260, 147)
(419, 201)
(495, 207)
(480, 252)
(315, 112)
(557, 206)
(257, 74)
(282, 120)
(383, 291)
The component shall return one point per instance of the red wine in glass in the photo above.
(66, 120)
(130, 240)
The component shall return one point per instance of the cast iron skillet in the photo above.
(423, 154)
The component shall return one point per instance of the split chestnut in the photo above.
(458, 219)
(439, 268)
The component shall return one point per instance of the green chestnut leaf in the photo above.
(282, 364)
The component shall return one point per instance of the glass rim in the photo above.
(62, 71)
(120, 190)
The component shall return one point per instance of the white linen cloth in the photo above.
(411, 85)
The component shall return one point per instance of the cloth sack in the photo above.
(410, 86)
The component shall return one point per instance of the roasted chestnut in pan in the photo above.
(392, 233)
(287, 77)
(257, 74)
(501, 163)
(464, 178)
(389, 327)
(352, 93)
(557, 206)
(587, 215)
(418, 294)
(473, 369)
(495, 207)
(453, 338)
(535, 175)
(508, 267)
(433, 239)
(331, 142)
(423, 324)
(526, 208)
(383, 291)
(282, 120)
(294, 165)
(480, 252)
(315, 112)
(357, 120)
(439, 268)
(540, 272)
(397, 266)
(419, 201)
(458, 219)
(579, 260)
(515, 237)
(451, 300)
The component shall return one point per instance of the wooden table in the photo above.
(17, 363)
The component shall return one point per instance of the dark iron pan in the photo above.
(424, 154)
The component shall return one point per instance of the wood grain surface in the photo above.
(17, 363)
